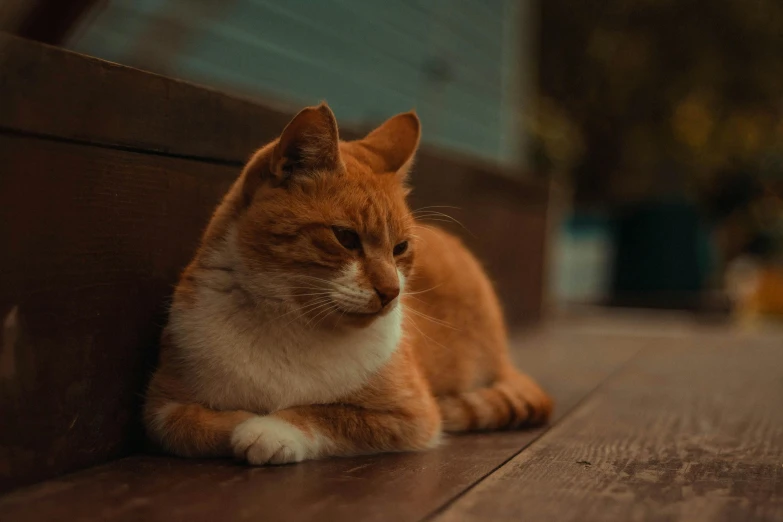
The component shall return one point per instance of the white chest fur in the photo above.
(240, 358)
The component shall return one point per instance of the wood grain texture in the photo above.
(397, 487)
(48, 91)
(92, 242)
(691, 430)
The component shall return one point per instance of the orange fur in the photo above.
(287, 338)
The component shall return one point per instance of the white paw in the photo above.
(267, 440)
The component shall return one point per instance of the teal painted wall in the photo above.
(458, 62)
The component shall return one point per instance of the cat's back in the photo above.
(447, 274)
(452, 314)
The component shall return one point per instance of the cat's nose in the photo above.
(387, 293)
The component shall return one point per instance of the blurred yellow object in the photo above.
(756, 290)
(768, 297)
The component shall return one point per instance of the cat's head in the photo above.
(326, 226)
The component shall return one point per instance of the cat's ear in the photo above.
(394, 142)
(310, 142)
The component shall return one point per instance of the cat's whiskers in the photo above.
(332, 307)
(422, 291)
(329, 311)
(433, 218)
(306, 295)
(342, 314)
(413, 323)
(309, 310)
(439, 237)
(435, 206)
(443, 218)
(430, 318)
(328, 282)
(434, 215)
(303, 309)
(415, 298)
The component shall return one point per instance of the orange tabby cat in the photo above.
(319, 319)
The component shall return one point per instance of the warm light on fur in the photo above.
(287, 340)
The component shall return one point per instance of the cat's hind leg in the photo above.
(513, 401)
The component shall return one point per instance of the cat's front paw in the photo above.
(268, 440)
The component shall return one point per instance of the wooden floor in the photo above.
(657, 419)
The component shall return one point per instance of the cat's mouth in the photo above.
(366, 315)
(358, 315)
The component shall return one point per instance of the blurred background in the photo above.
(657, 125)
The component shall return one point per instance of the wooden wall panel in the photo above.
(92, 242)
(50, 92)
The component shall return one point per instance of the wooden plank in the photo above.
(52, 92)
(691, 430)
(92, 241)
(396, 487)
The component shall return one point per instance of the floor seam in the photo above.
(611, 376)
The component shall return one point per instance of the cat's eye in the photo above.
(400, 248)
(347, 238)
